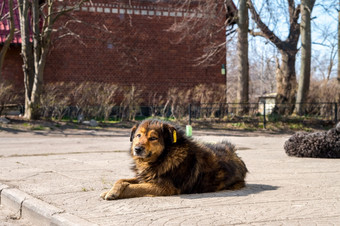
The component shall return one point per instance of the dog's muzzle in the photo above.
(138, 151)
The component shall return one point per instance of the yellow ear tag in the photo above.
(174, 134)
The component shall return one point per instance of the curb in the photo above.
(36, 211)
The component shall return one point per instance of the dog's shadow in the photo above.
(248, 190)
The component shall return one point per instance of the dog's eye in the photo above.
(138, 135)
(153, 138)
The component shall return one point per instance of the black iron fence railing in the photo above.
(219, 112)
(258, 112)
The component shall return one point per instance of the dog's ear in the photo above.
(133, 130)
(170, 133)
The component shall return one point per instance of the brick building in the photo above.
(122, 42)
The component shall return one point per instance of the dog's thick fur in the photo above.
(316, 145)
(167, 162)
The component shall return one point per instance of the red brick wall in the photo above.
(12, 68)
(136, 49)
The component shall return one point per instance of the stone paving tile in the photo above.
(70, 172)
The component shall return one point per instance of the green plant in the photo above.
(87, 189)
(26, 124)
(39, 127)
(274, 117)
(238, 124)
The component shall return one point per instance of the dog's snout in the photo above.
(139, 150)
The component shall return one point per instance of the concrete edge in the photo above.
(66, 219)
(36, 211)
(2, 187)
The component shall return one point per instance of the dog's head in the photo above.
(150, 137)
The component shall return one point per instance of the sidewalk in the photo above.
(56, 178)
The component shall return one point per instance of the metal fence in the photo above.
(256, 113)
(251, 112)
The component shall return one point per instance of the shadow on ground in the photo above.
(250, 189)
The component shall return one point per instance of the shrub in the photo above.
(323, 91)
(178, 99)
(55, 100)
(154, 102)
(132, 99)
(209, 93)
(7, 95)
(209, 97)
(107, 97)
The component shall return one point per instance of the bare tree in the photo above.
(242, 52)
(40, 16)
(326, 63)
(286, 75)
(328, 38)
(10, 21)
(306, 54)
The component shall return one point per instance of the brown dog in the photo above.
(167, 162)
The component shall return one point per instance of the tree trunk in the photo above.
(306, 49)
(242, 52)
(9, 38)
(339, 55)
(286, 84)
(31, 111)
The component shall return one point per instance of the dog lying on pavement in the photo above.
(167, 162)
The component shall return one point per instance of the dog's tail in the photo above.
(227, 150)
(222, 147)
(228, 146)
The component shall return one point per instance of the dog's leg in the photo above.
(237, 185)
(119, 185)
(147, 189)
(125, 190)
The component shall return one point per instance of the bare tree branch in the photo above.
(266, 32)
(257, 33)
(294, 29)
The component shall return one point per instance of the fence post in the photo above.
(264, 115)
(189, 114)
(221, 112)
(335, 112)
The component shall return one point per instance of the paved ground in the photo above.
(56, 178)
(10, 218)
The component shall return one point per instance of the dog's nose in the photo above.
(139, 150)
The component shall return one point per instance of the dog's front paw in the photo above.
(115, 191)
(103, 194)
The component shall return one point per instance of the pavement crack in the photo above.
(37, 174)
(58, 212)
